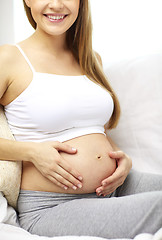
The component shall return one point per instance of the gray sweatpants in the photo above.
(135, 207)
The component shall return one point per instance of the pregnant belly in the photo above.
(91, 161)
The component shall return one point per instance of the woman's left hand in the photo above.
(110, 184)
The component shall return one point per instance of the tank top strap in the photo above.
(26, 58)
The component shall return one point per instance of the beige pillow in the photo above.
(10, 171)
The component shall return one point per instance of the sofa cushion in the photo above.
(138, 84)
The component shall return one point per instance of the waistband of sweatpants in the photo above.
(33, 200)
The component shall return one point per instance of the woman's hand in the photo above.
(46, 158)
(110, 184)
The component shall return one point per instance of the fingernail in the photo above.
(99, 194)
(104, 184)
(79, 185)
(80, 178)
(65, 187)
(74, 187)
(73, 149)
(112, 152)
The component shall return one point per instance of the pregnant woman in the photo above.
(59, 105)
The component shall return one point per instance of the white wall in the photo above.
(127, 28)
(22, 27)
(6, 22)
(122, 28)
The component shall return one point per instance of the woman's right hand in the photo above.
(46, 158)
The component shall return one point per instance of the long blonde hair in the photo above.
(79, 41)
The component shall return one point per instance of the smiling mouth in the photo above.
(55, 18)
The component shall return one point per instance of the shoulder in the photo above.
(7, 53)
(7, 59)
(8, 56)
(98, 57)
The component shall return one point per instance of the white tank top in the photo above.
(58, 108)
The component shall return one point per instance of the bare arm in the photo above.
(5, 63)
(45, 156)
(9, 150)
(14, 150)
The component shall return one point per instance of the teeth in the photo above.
(55, 17)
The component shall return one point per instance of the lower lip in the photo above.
(56, 20)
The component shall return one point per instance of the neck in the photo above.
(53, 44)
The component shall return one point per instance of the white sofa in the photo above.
(138, 84)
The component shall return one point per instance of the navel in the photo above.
(98, 157)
